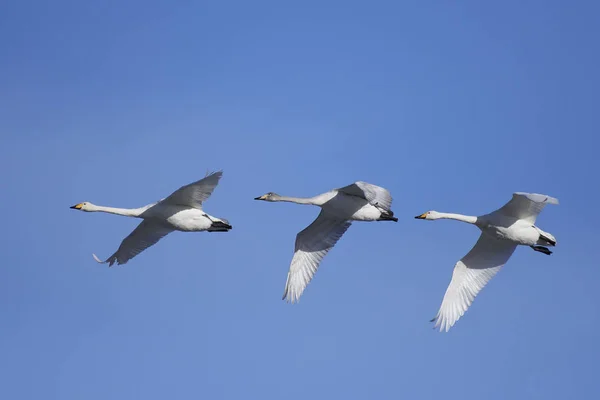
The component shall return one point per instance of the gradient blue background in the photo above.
(450, 106)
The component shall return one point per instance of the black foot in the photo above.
(542, 249)
(387, 216)
(218, 226)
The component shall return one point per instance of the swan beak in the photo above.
(260, 197)
(422, 216)
(77, 206)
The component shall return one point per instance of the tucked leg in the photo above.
(542, 249)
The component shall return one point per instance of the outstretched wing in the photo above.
(470, 275)
(146, 234)
(526, 206)
(375, 195)
(312, 244)
(194, 194)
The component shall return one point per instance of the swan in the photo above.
(501, 232)
(181, 211)
(360, 201)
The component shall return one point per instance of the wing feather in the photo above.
(194, 194)
(146, 234)
(375, 195)
(470, 275)
(526, 206)
(312, 244)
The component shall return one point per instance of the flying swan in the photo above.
(502, 231)
(360, 201)
(181, 211)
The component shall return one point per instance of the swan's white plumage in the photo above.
(182, 211)
(312, 244)
(470, 275)
(360, 201)
(502, 231)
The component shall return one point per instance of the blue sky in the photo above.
(450, 106)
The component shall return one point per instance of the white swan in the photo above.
(181, 211)
(502, 231)
(359, 201)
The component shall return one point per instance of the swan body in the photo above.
(348, 207)
(360, 201)
(182, 218)
(181, 211)
(515, 230)
(501, 232)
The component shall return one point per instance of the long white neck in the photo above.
(127, 212)
(297, 200)
(459, 217)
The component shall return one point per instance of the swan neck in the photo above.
(297, 200)
(459, 217)
(127, 212)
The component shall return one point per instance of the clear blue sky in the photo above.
(450, 106)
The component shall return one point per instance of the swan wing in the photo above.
(470, 275)
(375, 195)
(526, 206)
(146, 234)
(312, 244)
(195, 193)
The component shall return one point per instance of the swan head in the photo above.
(268, 197)
(85, 206)
(429, 215)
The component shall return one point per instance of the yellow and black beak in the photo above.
(77, 206)
(264, 196)
(422, 216)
